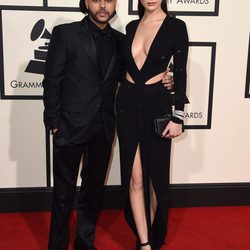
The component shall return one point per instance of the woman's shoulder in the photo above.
(176, 22)
(174, 27)
(132, 25)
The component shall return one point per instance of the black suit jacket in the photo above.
(74, 89)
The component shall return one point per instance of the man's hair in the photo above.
(83, 7)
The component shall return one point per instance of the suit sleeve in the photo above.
(53, 78)
(180, 63)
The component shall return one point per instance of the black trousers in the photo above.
(96, 156)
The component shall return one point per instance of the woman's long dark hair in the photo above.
(141, 9)
(83, 7)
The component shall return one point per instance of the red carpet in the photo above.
(207, 228)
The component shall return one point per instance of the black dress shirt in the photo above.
(103, 41)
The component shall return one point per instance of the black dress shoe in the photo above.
(80, 245)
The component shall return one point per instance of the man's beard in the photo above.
(94, 16)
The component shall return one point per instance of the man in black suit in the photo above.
(80, 82)
(82, 71)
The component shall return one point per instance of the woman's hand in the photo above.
(172, 130)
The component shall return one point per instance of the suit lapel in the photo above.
(113, 58)
(88, 43)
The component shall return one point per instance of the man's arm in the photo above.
(168, 79)
(53, 78)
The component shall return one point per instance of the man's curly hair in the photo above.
(83, 7)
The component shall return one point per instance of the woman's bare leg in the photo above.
(153, 203)
(137, 200)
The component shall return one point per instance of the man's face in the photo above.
(101, 11)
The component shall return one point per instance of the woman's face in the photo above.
(151, 5)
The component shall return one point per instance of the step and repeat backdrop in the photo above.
(215, 145)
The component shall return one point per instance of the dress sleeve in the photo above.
(180, 62)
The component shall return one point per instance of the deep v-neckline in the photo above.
(150, 47)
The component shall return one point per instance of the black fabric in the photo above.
(135, 126)
(79, 101)
(66, 160)
(103, 45)
(137, 106)
(74, 87)
(171, 40)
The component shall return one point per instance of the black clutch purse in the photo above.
(160, 123)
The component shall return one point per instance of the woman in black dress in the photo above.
(149, 44)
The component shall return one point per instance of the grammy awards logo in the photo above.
(37, 66)
(189, 7)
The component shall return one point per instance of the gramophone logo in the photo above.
(37, 65)
(25, 44)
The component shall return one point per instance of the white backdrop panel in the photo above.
(18, 53)
(63, 3)
(198, 85)
(22, 144)
(22, 2)
(216, 155)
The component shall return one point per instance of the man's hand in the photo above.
(168, 79)
(54, 131)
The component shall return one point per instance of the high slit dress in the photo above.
(137, 105)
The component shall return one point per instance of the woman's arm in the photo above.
(180, 75)
(174, 128)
